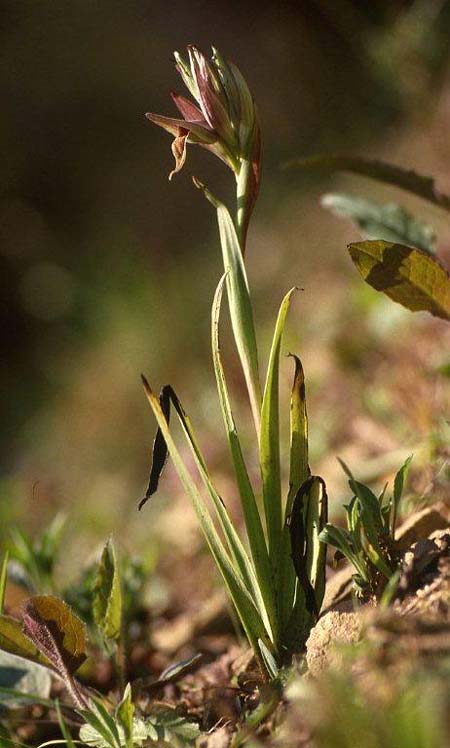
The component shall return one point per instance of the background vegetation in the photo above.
(101, 258)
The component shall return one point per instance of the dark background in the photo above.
(107, 269)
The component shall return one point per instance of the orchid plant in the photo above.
(276, 580)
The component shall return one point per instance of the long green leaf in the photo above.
(298, 462)
(417, 184)
(409, 276)
(270, 441)
(247, 611)
(239, 303)
(235, 545)
(253, 524)
(298, 473)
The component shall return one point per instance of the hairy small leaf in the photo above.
(411, 277)
(57, 632)
(59, 635)
(14, 641)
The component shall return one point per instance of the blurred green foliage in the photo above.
(94, 241)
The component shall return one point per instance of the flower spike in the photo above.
(222, 118)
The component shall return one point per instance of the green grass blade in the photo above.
(253, 524)
(63, 727)
(3, 581)
(239, 303)
(270, 440)
(235, 545)
(247, 611)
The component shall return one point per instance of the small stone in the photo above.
(332, 629)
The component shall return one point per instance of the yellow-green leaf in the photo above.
(14, 641)
(408, 275)
(107, 605)
(124, 715)
(56, 631)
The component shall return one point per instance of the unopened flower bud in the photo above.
(223, 119)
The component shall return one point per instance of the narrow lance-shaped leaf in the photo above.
(125, 713)
(370, 505)
(269, 660)
(159, 453)
(239, 303)
(399, 484)
(60, 635)
(107, 602)
(388, 221)
(253, 524)
(270, 440)
(298, 462)
(372, 527)
(298, 473)
(342, 540)
(417, 184)
(411, 277)
(235, 545)
(250, 617)
(102, 723)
